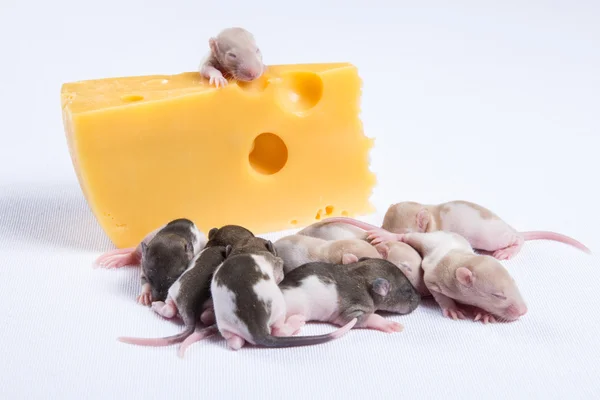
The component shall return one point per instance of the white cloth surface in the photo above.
(494, 103)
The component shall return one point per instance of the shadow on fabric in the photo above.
(53, 215)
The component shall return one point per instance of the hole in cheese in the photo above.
(329, 210)
(344, 213)
(257, 85)
(300, 91)
(269, 154)
(294, 222)
(318, 216)
(132, 97)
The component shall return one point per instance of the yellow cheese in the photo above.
(277, 153)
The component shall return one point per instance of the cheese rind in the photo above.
(272, 154)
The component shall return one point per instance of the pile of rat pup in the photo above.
(339, 270)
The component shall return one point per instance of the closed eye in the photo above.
(499, 296)
(232, 55)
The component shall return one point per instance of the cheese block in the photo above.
(278, 153)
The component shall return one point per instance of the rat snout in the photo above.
(249, 72)
(514, 311)
(523, 310)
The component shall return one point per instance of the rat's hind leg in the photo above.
(208, 313)
(291, 326)
(166, 309)
(511, 250)
(234, 342)
(118, 258)
(378, 236)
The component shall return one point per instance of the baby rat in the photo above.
(337, 294)
(453, 273)
(187, 297)
(328, 230)
(482, 228)
(296, 250)
(233, 54)
(249, 306)
(408, 260)
(164, 254)
(228, 235)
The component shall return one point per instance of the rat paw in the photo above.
(376, 237)
(235, 342)
(378, 323)
(505, 254)
(454, 313)
(484, 316)
(218, 80)
(145, 298)
(208, 316)
(166, 310)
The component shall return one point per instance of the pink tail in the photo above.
(157, 342)
(196, 337)
(350, 221)
(545, 235)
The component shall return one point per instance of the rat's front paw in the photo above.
(217, 79)
(453, 312)
(145, 298)
(484, 316)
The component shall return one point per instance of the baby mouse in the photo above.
(248, 304)
(453, 273)
(233, 54)
(482, 228)
(335, 293)
(164, 254)
(187, 297)
(296, 250)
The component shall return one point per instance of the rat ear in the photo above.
(270, 247)
(144, 249)
(383, 250)
(189, 250)
(212, 233)
(465, 277)
(212, 43)
(423, 219)
(349, 258)
(381, 286)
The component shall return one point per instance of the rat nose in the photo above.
(523, 310)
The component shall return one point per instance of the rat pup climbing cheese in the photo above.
(288, 147)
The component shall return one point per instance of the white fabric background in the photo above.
(494, 103)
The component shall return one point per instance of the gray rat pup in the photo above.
(337, 293)
(187, 297)
(233, 54)
(226, 236)
(163, 255)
